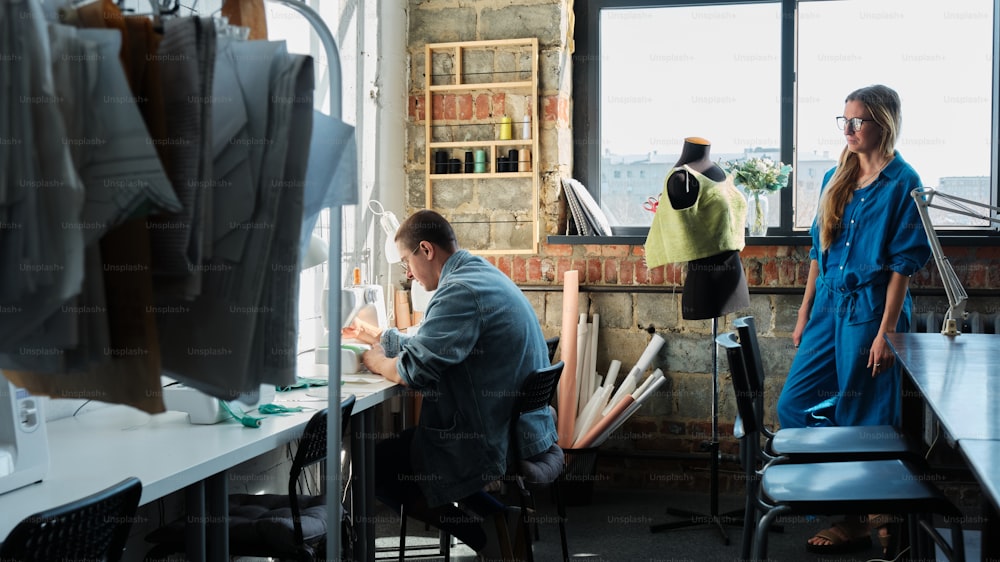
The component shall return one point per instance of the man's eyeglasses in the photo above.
(855, 122)
(405, 262)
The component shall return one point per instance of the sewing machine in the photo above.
(364, 302)
(24, 445)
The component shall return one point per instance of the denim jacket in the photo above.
(882, 233)
(479, 340)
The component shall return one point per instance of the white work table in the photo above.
(93, 450)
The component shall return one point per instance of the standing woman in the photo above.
(867, 240)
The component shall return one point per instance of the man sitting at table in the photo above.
(479, 340)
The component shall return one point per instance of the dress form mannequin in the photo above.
(682, 190)
(716, 285)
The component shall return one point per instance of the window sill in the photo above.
(958, 240)
(632, 240)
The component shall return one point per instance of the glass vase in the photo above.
(756, 213)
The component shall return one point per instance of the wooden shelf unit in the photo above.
(452, 69)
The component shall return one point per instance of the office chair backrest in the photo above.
(312, 444)
(536, 393)
(538, 389)
(746, 329)
(92, 528)
(744, 392)
(311, 450)
(346, 409)
(552, 343)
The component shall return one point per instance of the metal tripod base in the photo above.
(712, 447)
(695, 519)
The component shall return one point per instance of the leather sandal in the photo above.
(844, 537)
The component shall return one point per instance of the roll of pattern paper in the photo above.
(591, 436)
(567, 353)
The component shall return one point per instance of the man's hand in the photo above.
(362, 331)
(375, 361)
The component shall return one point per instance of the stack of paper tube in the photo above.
(589, 410)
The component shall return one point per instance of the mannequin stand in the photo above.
(713, 517)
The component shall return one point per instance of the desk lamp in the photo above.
(924, 198)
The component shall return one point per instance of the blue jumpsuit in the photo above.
(829, 382)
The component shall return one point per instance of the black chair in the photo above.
(289, 525)
(893, 486)
(92, 528)
(552, 343)
(815, 444)
(538, 472)
(546, 469)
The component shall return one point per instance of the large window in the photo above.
(768, 78)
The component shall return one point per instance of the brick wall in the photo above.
(655, 447)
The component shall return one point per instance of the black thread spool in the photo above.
(470, 164)
(512, 160)
(454, 166)
(441, 162)
(501, 164)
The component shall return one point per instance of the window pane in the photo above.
(675, 72)
(936, 55)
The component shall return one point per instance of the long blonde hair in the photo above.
(883, 103)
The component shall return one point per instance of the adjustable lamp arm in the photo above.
(924, 198)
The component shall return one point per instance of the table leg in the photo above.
(991, 529)
(194, 526)
(217, 516)
(363, 448)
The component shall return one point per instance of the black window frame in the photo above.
(586, 122)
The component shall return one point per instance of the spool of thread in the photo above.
(512, 160)
(526, 127)
(454, 166)
(403, 320)
(524, 160)
(441, 162)
(480, 161)
(505, 128)
(469, 164)
(501, 164)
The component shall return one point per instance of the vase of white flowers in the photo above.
(759, 177)
(757, 207)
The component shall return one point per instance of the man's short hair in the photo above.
(427, 225)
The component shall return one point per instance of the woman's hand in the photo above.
(880, 357)
(800, 326)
